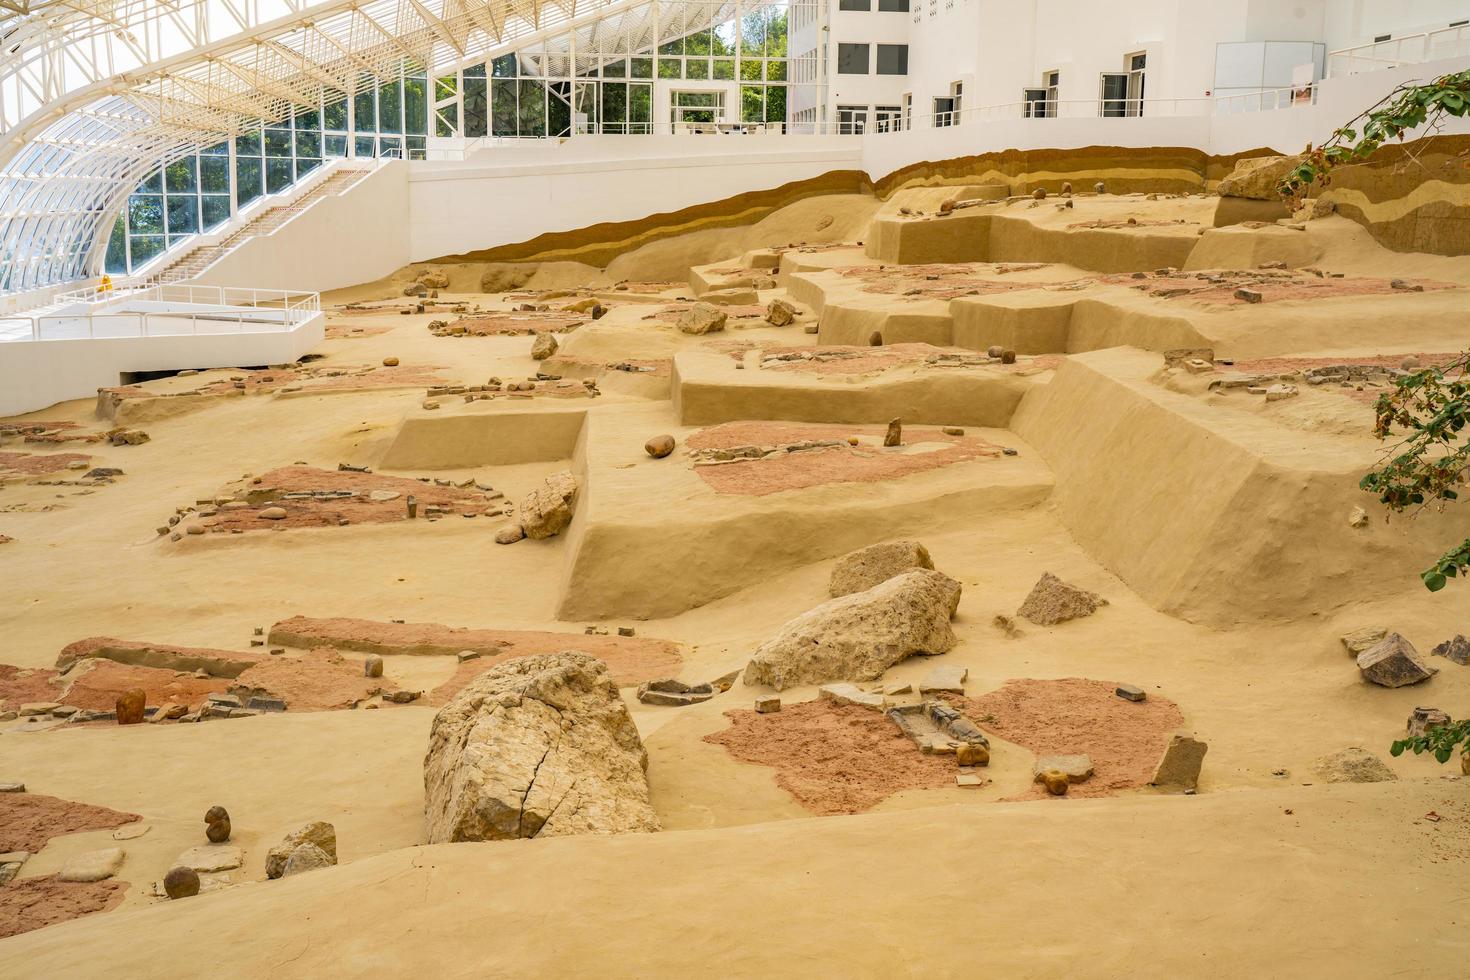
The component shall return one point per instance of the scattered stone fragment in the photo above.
(538, 746)
(1077, 768)
(273, 514)
(217, 824)
(1130, 692)
(946, 678)
(1053, 601)
(547, 510)
(847, 693)
(318, 833)
(131, 831)
(1362, 639)
(1056, 782)
(1423, 719)
(1358, 517)
(1393, 662)
(306, 857)
(780, 313)
(372, 666)
(969, 780)
(402, 697)
(860, 570)
(1180, 766)
(181, 883)
(894, 435)
(130, 707)
(972, 754)
(10, 864)
(857, 637)
(659, 446)
(210, 857)
(543, 346)
(1456, 650)
(701, 318)
(12, 787)
(510, 534)
(767, 704)
(1353, 765)
(93, 866)
(1039, 194)
(952, 430)
(1248, 295)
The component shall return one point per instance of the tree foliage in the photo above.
(1438, 739)
(1406, 108)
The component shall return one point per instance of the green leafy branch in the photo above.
(1439, 739)
(1430, 409)
(1406, 108)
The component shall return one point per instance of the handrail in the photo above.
(263, 310)
(1408, 49)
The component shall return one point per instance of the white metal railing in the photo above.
(185, 307)
(1411, 49)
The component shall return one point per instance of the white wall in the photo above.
(870, 27)
(352, 237)
(1351, 22)
(510, 194)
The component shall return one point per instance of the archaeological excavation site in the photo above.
(638, 489)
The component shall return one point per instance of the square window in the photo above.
(183, 215)
(855, 5)
(893, 6)
(180, 176)
(248, 174)
(336, 146)
(248, 144)
(216, 210)
(145, 214)
(852, 59)
(214, 175)
(278, 175)
(893, 59)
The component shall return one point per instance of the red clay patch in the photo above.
(22, 685)
(269, 490)
(41, 431)
(1273, 288)
(833, 758)
(863, 463)
(520, 324)
(1075, 715)
(34, 903)
(29, 820)
(319, 680)
(942, 281)
(353, 331)
(632, 660)
(22, 465)
(99, 683)
(671, 313)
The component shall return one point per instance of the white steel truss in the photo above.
(95, 94)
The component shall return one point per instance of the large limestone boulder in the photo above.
(320, 834)
(866, 567)
(701, 318)
(857, 637)
(500, 277)
(1257, 178)
(547, 510)
(1393, 662)
(536, 747)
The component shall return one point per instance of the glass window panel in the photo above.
(533, 108)
(724, 39)
(776, 103)
(308, 144)
(277, 175)
(152, 184)
(145, 214)
(697, 68)
(503, 107)
(217, 150)
(750, 71)
(390, 107)
(724, 68)
(388, 143)
(893, 6)
(669, 68)
(476, 108)
(364, 146)
(216, 210)
(364, 111)
(183, 215)
(334, 116)
(336, 146)
(615, 69)
(214, 175)
(415, 106)
(117, 253)
(145, 247)
(474, 71)
(640, 107)
(445, 87)
(305, 165)
(893, 59)
(855, 5)
(180, 176)
(278, 142)
(852, 59)
(776, 71)
(248, 174)
(416, 146)
(614, 107)
(504, 66)
(675, 47)
(248, 144)
(642, 67)
(307, 122)
(558, 114)
(752, 103)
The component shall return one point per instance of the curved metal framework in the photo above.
(96, 94)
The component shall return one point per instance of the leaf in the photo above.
(1434, 581)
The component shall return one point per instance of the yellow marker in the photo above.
(105, 286)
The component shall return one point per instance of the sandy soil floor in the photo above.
(1266, 871)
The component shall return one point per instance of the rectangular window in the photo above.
(893, 6)
(852, 120)
(852, 59)
(893, 59)
(855, 5)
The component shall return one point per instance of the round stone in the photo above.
(390, 362)
(274, 514)
(659, 446)
(372, 666)
(1039, 193)
(510, 534)
(218, 820)
(181, 883)
(1055, 782)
